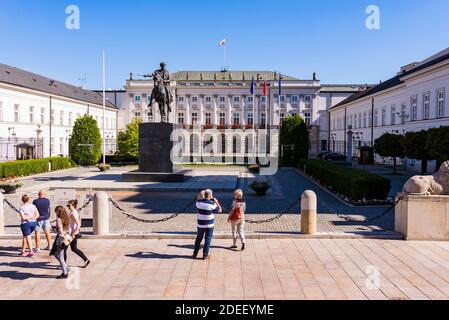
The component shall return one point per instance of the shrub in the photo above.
(85, 143)
(353, 183)
(10, 187)
(390, 145)
(294, 132)
(22, 168)
(103, 167)
(128, 142)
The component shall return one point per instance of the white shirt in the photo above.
(28, 210)
(72, 221)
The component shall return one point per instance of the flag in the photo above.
(252, 86)
(222, 43)
(280, 84)
(265, 88)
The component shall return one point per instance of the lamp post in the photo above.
(38, 137)
(9, 139)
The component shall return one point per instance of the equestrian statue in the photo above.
(161, 93)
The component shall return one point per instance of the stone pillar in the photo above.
(308, 212)
(349, 145)
(2, 215)
(101, 214)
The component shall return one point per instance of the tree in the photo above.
(415, 147)
(294, 132)
(128, 141)
(438, 144)
(85, 143)
(390, 145)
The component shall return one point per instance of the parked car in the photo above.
(334, 157)
(321, 155)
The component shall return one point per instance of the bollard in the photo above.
(2, 215)
(308, 212)
(101, 213)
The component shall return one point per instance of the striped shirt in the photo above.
(206, 213)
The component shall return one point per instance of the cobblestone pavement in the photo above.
(268, 269)
(287, 187)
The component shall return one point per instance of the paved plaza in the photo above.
(287, 185)
(268, 269)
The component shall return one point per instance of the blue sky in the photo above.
(294, 37)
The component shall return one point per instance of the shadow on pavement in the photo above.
(153, 255)
(15, 275)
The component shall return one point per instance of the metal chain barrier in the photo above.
(13, 208)
(273, 218)
(86, 204)
(133, 217)
(377, 217)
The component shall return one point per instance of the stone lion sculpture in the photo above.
(438, 184)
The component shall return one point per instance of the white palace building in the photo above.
(37, 113)
(413, 100)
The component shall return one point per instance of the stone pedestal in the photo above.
(420, 217)
(155, 148)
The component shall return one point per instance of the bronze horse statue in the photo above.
(161, 92)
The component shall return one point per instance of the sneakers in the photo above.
(243, 246)
(62, 276)
(206, 258)
(30, 255)
(23, 253)
(37, 250)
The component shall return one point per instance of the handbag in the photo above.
(66, 240)
(237, 214)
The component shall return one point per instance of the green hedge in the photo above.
(22, 168)
(353, 183)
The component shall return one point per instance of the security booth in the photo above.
(24, 151)
(366, 155)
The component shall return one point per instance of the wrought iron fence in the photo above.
(21, 148)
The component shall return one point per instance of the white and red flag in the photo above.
(222, 43)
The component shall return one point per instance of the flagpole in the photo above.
(104, 109)
(254, 125)
(266, 118)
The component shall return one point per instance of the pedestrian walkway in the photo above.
(268, 269)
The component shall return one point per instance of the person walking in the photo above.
(237, 219)
(60, 245)
(75, 226)
(43, 222)
(29, 215)
(206, 208)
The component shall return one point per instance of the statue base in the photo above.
(419, 217)
(155, 148)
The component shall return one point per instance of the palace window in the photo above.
(376, 116)
(307, 118)
(222, 99)
(61, 118)
(31, 114)
(250, 99)
(414, 107)
(403, 107)
(208, 99)
(384, 116)
(281, 118)
(42, 115)
(370, 119)
(426, 105)
(440, 103)
(181, 118)
(250, 119)
(364, 119)
(136, 114)
(1, 111)
(52, 144)
(263, 99)
(194, 118)
(262, 118)
(180, 99)
(194, 99)
(137, 98)
(222, 118)
(71, 119)
(61, 145)
(236, 99)
(236, 118)
(294, 98)
(16, 113)
(360, 120)
(393, 114)
(282, 98)
(208, 118)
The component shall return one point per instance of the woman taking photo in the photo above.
(60, 244)
(74, 231)
(28, 215)
(237, 218)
